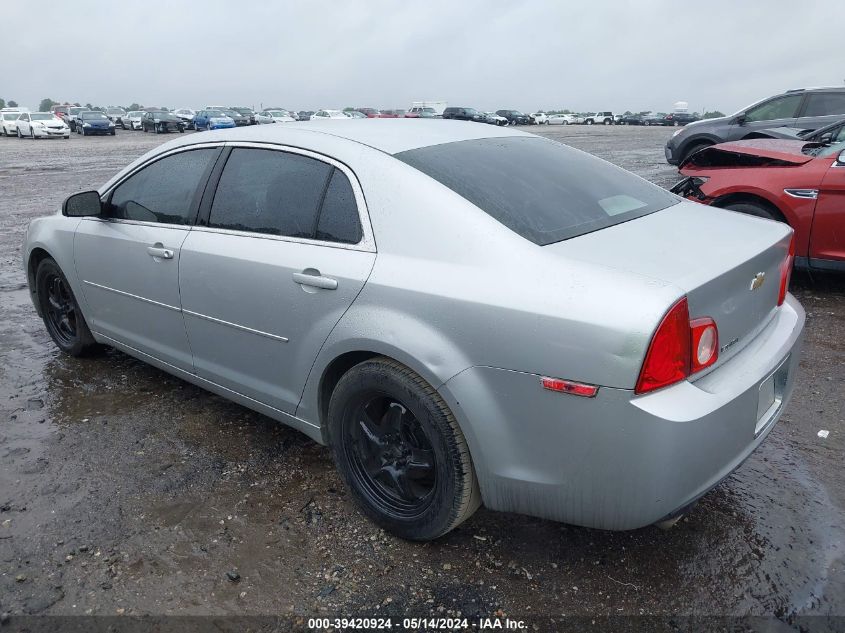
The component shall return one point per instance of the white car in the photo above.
(321, 115)
(600, 118)
(561, 119)
(495, 118)
(133, 119)
(277, 116)
(9, 123)
(540, 118)
(187, 115)
(41, 125)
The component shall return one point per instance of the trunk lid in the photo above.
(752, 153)
(711, 255)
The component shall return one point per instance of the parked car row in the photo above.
(32, 124)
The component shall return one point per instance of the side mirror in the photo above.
(81, 205)
(841, 159)
(740, 120)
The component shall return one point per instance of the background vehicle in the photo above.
(494, 119)
(797, 182)
(133, 119)
(604, 118)
(9, 123)
(116, 115)
(561, 119)
(262, 118)
(515, 117)
(280, 116)
(61, 111)
(463, 114)
(354, 114)
(539, 118)
(90, 122)
(630, 119)
(41, 125)
(677, 119)
(806, 109)
(437, 106)
(161, 122)
(371, 113)
(305, 115)
(324, 115)
(187, 115)
(654, 119)
(212, 120)
(72, 116)
(245, 112)
(399, 355)
(422, 112)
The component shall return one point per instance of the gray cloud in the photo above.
(382, 53)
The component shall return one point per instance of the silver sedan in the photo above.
(464, 313)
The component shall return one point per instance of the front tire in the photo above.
(400, 451)
(752, 208)
(60, 311)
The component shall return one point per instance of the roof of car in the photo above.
(387, 135)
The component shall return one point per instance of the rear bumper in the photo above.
(620, 461)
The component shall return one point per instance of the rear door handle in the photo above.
(315, 280)
(159, 251)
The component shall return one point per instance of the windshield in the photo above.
(231, 113)
(470, 111)
(93, 115)
(42, 116)
(834, 149)
(76, 110)
(540, 189)
(115, 111)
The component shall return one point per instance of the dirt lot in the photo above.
(126, 491)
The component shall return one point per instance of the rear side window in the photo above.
(542, 190)
(164, 191)
(779, 108)
(286, 194)
(825, 104)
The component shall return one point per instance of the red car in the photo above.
(792, 181)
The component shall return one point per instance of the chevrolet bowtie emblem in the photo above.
(758, 280)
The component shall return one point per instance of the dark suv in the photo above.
(463, 114)
(809, 108)
(515, 117)
(680, 118)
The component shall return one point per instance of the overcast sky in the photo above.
(489, 54)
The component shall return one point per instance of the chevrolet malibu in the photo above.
(464, 313)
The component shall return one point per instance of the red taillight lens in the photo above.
(704, 343)
(668, 358)
(786, 271)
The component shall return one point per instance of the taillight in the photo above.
(786, 271)
(705, 343)
(668, 358)
(680, 347)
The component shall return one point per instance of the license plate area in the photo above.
(770, 396)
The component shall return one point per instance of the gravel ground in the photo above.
(126, 491)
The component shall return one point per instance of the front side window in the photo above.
(164, 191)
(540, 189)
(779, 108)
(285, 194)
(825, 104)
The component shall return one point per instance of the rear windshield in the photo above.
(542, 190)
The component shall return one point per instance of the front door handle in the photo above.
(159, 251)
(313, 278)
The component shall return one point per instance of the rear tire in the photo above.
(753, 208)
(400, 451)
(60, 311)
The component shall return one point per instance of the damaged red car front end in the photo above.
(800, 183)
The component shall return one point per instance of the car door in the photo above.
(778, 112)
(820, 109)
(827, 238)
(278, 256)
(128, 260)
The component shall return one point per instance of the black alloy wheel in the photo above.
(60, 311)
(391, 456)
(400, 450)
